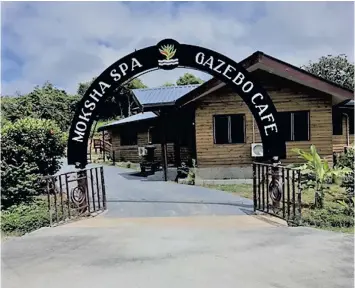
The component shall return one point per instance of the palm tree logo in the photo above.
(169, 52)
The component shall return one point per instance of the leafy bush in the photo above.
(346, 159)
(332, 215)
(30, 148)
(19, 183)
(318, 175)
(187, 172)
(36, 141)
(25, 218)
(192, 173)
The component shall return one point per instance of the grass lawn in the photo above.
(242, 190)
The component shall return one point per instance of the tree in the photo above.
(120, 103)
(337, 69)
(168, 84)
(46, 102)
(189, 79)
(84, 86)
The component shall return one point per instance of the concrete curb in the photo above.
(222, 182)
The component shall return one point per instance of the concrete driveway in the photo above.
(189, 252)
(129, 195)
(132, 246)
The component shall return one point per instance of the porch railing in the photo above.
(277, 191)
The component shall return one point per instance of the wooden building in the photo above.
(212, 124)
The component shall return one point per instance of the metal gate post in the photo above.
(104, 201)
(83, 184)
(254, 187)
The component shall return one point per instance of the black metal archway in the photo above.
(168, 54)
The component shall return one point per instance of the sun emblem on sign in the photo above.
(169, 52)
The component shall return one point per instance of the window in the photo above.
(229, 129)
(339, 118)
(155, 135)
(128, 136)
(351, 123)
(337, 123)
(295, 125)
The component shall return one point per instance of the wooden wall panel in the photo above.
(286, 97)
(130, 153)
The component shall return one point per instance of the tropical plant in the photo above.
(317, 175)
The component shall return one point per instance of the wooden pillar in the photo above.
(177, 150)
(163, 144)
(103, 146)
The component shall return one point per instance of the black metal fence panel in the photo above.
(75, 194)
(277, 191)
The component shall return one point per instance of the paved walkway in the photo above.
(133, 196)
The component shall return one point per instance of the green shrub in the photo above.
(24, 218)
(346, 159)
(36, 141)
(317, 175)
(19, 183)
(324, 218)
(191, 176)
(30, 148)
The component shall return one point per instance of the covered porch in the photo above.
(158, 123)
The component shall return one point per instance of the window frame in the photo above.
(229, 128)
(292, 122)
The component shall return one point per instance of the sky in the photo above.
(66, 43)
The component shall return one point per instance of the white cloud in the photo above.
(71, 42)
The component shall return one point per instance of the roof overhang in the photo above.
(157, 106)
(261, 61)
(139, 117)
(347, 104)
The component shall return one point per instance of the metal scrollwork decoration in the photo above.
(275, 188)
(275, 185)
(78, 196)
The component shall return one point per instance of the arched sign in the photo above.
(168, 54)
